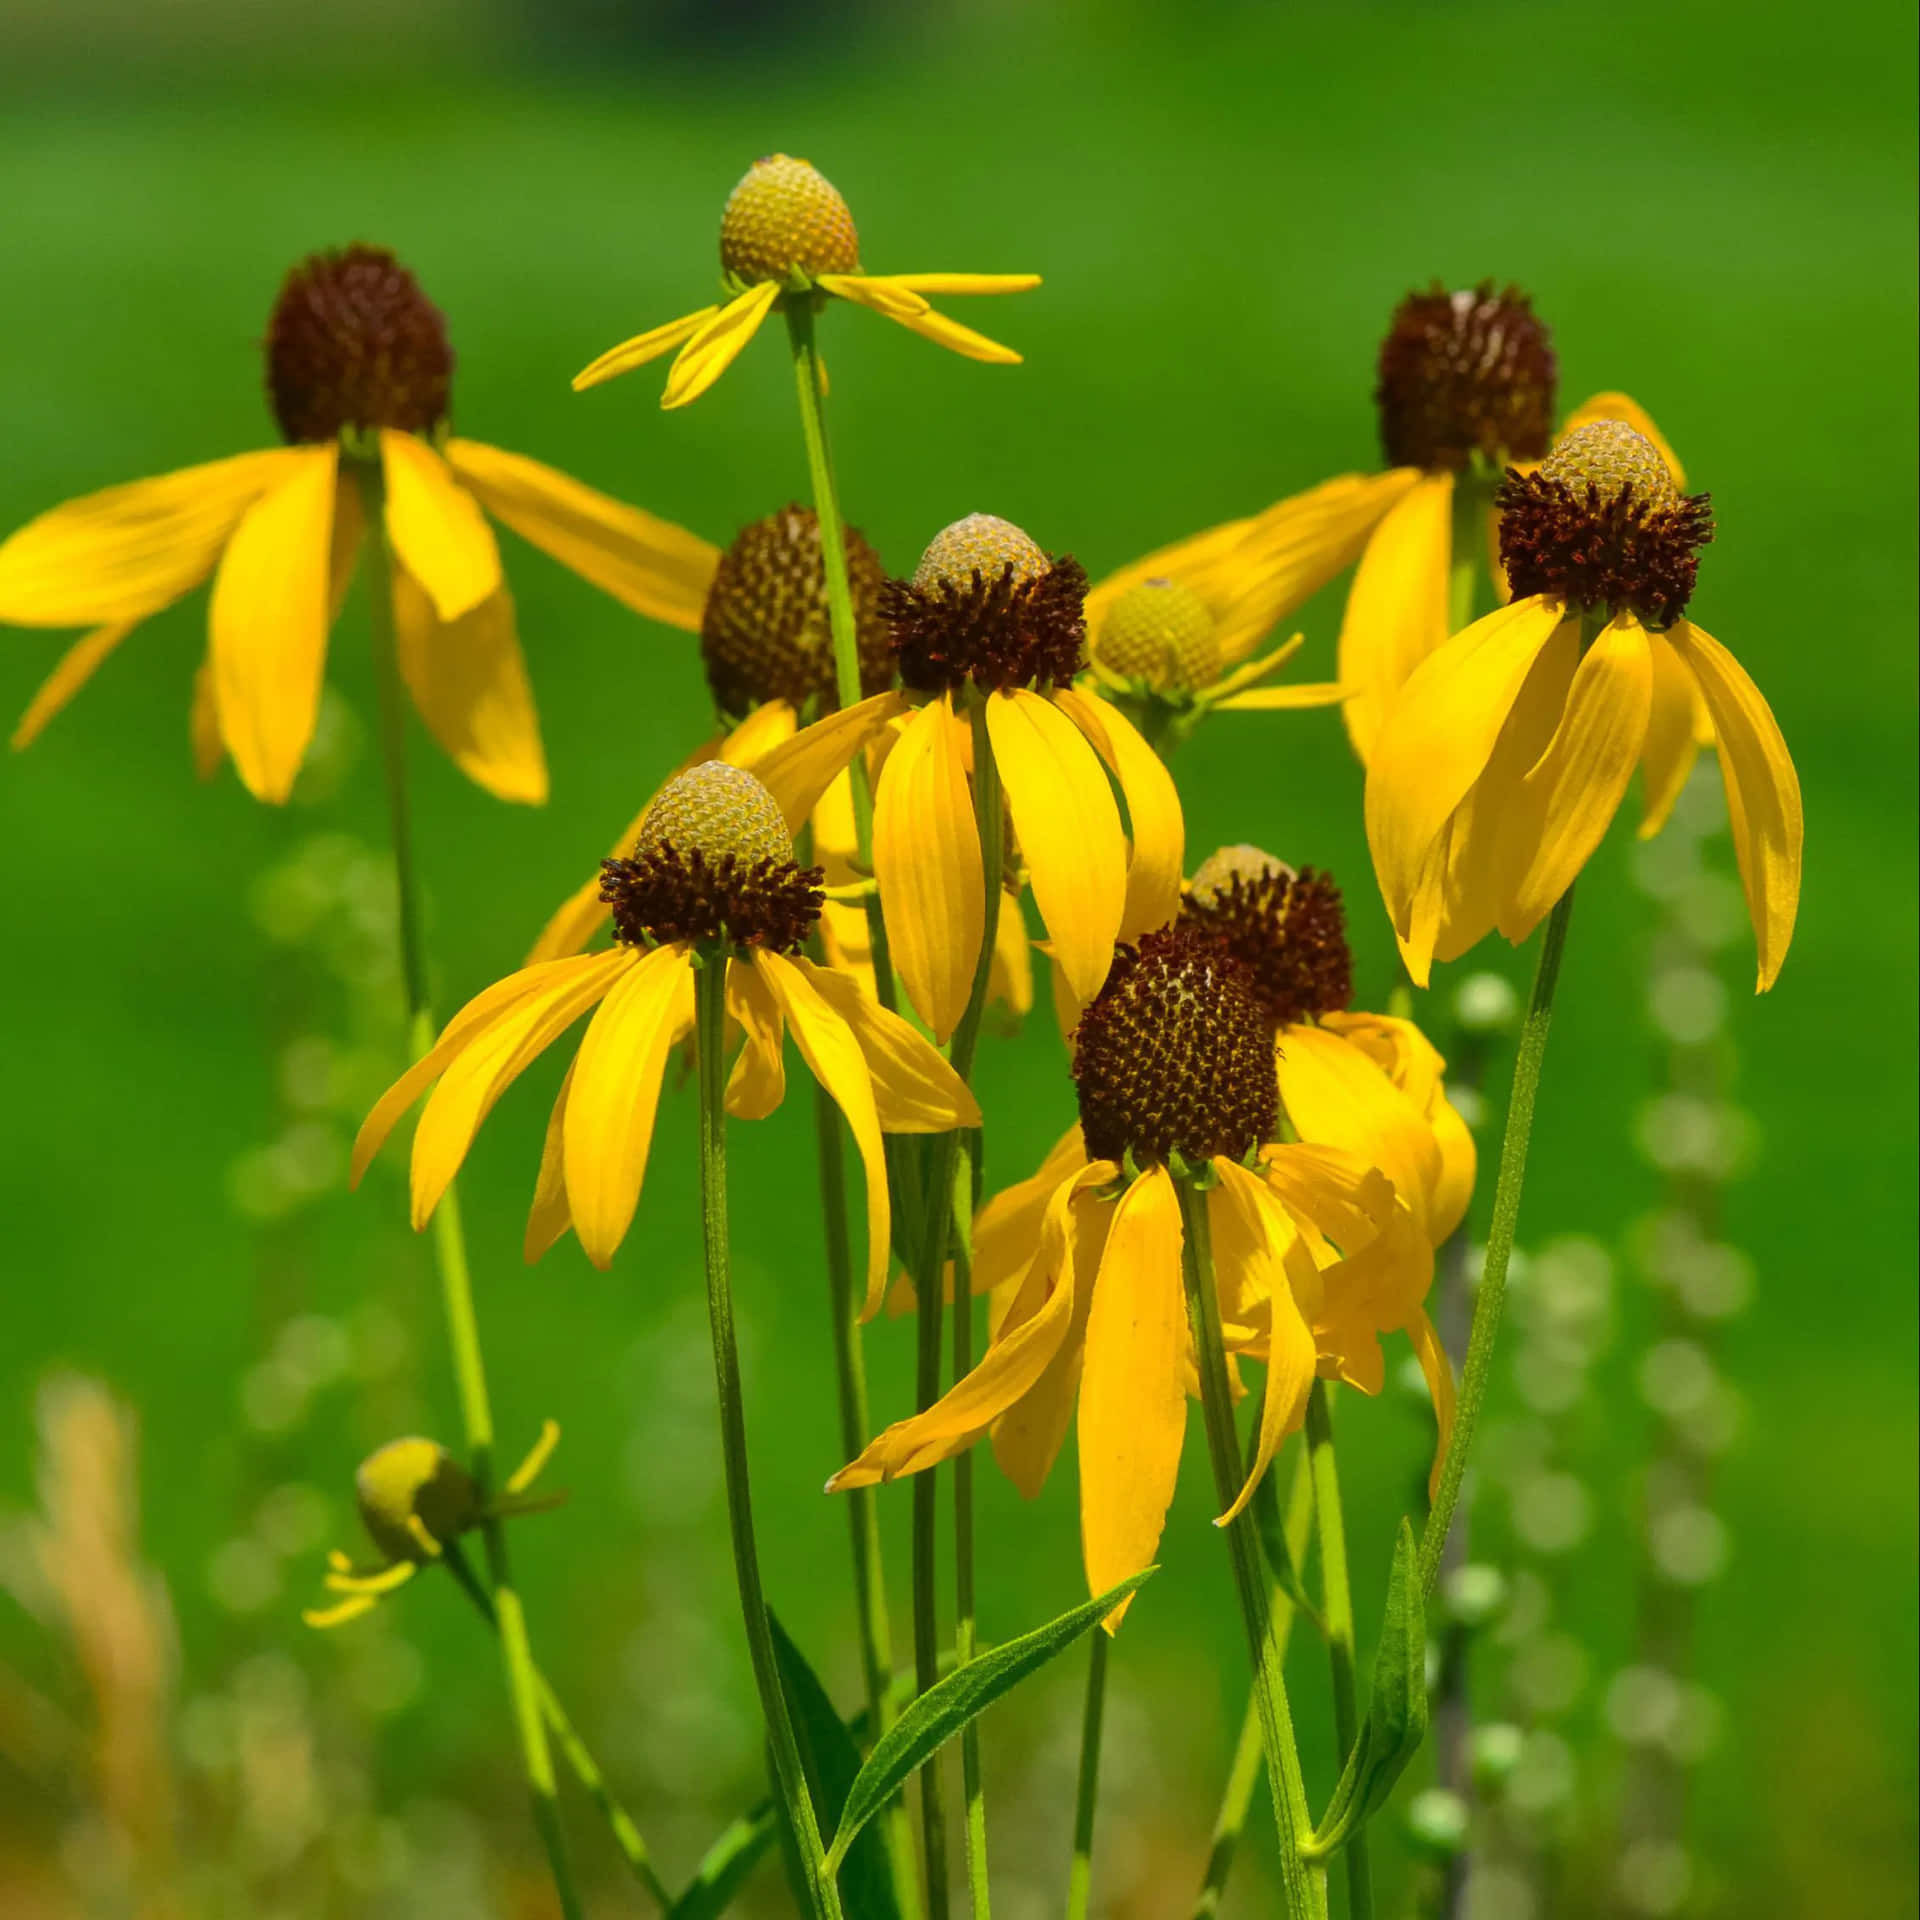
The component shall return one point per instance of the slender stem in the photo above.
(574, 1750)
(1080, 1875)
(1529, 1057)
(710, 1023)
(1337, 1600)
(449, 1239)
(963, 1622)
(1304, 1884)
(1469, 538)
(1244, 1775)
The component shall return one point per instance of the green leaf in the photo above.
(831, 1762)
(1396, 1720)
(949, 1704)
(1273, 1545)
(724, 1867)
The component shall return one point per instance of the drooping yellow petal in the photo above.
(469, 681)
(1068, 827)
(915, 1089)
(1007, 1228)
(799, 771)
(1158, 850)
(758, 1082)
(1011, 985)
(203, 723)
(1577, 785)
(1008, 1370)
(127, 551)
(956, 338)
(268, 626)
(72, 672)
(1763, 792)
(656, 568)
(438, 531)
(883, 295)
(607, 1129)
(490, 1061)
(550, 1216)
(1668, 757)
(926, 856)
(1290, 699)
(640, 349)
(1133, 1403)
(719, 342)
(1439, 1373)
(834, 1058)
(1397, 606)
(1437, 740)
(1617, 406)
(965, 282)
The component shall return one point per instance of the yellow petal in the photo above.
(1579, 782)
(1157, 854)
(926, 857)
(868, 290)
(1617, 406)
(481, 1070)
(800, 770)
(203, 723)
(719, 342)
(72, 672)
(1011, 984)
(640, 349)
(469, 681)
(758, 1082)
(956, 338)
(1433, 1363)
(1438, 739)
(915, 1089)
(965, 282)
(1009, 1369)
(1007, 1228)
(1133, 1403)
(1397, 606)
(550, 1216)
(1668, 757)
(656, 568)
(1763, 792)
(268, 624)
(438, 532)
(1195, 562)
(834, 1058)
(607, 1129)
(1303, 693)
(1068, 827)
(123, 553)
(1251, 672)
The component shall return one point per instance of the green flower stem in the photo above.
(1337, 1598)
(963, 1623)
(1086, 1795)
(810, 384)
(626, 1834)
(449, 1240)
(1529, 1057)
(1303, 1884)
(1472, 501)
(1244, 1775)
(710, 1024)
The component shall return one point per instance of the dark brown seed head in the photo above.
(353, 342)
(1601, 524)
(414, 1479)
(765, 635)
(1287, 929)
(1162, 633)
(986, 604)
(784, 217)
(1175, 1055)
(714, 862)
(1464, 374)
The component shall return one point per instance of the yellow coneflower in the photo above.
(990, 624)
(711, 881)
(1507, 752)
(359, 372)
(1173, 1067)
(787, 234)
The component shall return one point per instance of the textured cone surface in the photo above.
(1216, 874)
(353, 342)
(982, 543)
(765, 633)
(1163, 633)
(785, 215)
(416, 1478)
(1288, 929)
(719, 811)
(1613, 457)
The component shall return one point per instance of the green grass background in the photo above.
(1714, 207)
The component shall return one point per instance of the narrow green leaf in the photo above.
(831, 1762)
(1273, 1546)
(1396, 1720)
(724, 1867)
(949, 1704)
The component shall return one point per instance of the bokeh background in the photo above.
(1713, 207)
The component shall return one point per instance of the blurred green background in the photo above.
(1714, 209)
